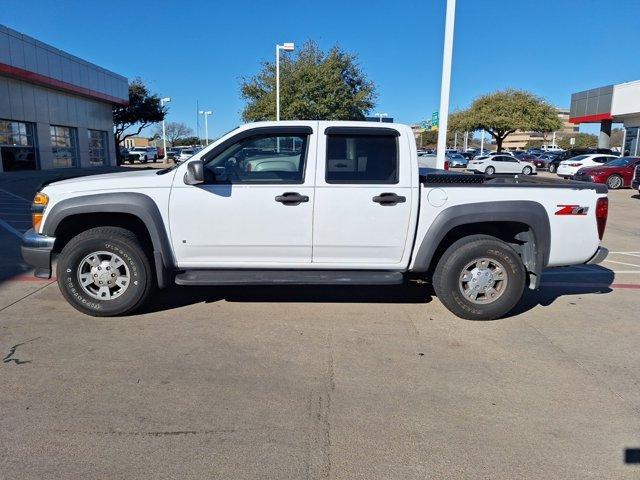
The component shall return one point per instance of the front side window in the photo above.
(64, 144)
(369, 159)
(260, 159)
(98, 150)
(17, 146)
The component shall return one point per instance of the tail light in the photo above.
(574, 164)
(602, 211)
(446, 164)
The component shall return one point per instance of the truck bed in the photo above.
(432, 176)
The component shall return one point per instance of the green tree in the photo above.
(427, 139)
(502, 113)
(314, 85)
(187, 141)
(582, 140)
(144, 109)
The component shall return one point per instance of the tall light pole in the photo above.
(206, 113)
(164, 132)
(380, 115)
(287, 47)
(445, 85)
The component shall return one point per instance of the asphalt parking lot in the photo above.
(308, 382)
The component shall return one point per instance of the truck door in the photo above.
(363, 198)
(255, 208)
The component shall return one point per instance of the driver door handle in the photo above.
(389, 199)
(292, 198)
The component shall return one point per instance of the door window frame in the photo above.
(261, 132)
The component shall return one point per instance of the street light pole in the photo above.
(164, 132)
(287, 47)
(206, 113)
(445, 85)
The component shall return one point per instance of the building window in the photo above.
(98, 150)
(64, 142)
(17, 146)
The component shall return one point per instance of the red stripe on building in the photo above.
(591, 118)
(33, 77)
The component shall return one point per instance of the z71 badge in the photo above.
(572, 210)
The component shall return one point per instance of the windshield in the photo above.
(139, 149)
(619, 162)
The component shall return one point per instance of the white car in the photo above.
(568, 168)
(500, 164)
(143, 154)
(185, 154)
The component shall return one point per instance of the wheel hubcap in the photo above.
(614, 182)
(483, 281)
(103, 275)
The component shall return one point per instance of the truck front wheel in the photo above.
(105, 272)
(479, 278)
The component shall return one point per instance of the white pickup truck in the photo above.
(311, 202)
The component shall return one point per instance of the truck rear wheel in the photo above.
(105, 272)
(479, 278)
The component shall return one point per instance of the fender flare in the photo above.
(527, 212)
(137, 204)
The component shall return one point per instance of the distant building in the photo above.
(519, 139)
(55, 109)
(606, 105)
(132, 142)
(379, 119)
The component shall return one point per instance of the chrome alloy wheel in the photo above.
(103, 275)
(483, 281)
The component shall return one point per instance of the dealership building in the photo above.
(55, 109)
(607, 105)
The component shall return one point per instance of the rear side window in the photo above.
(368, 159)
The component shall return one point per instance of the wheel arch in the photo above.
(135, 211)
(522, 224)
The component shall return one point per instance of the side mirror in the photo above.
(195, 173)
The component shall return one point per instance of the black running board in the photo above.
(288, 277)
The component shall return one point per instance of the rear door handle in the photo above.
(389, 199)
(292, 198)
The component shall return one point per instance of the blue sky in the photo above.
(552, 48)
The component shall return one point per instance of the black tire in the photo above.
(155, 158)
(450, 267)
(552, 168)
(490, 170)
(527, 170)
(113, 240)
(615, 182)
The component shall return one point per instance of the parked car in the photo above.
(185, 154)
(358, 211)
(635, 183)
(615, 174)
(142, 154)
(568, 168)
(173, 153)
(456, 160)
(552, 166)
(526, 157)
(468, 155)
(551, 148)
(429, 160)
(501, 164)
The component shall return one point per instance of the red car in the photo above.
(617, 173)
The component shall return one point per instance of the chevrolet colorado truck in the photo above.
(311, 202)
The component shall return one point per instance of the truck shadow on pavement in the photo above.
(564, 283)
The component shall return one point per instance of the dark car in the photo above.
(173, 153)
(615, 174)
(635, 183)
(574, 152)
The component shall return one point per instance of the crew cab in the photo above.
(311, 202)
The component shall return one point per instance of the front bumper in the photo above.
(36, 251)
(598, 257)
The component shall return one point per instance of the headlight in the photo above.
(40, 202)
